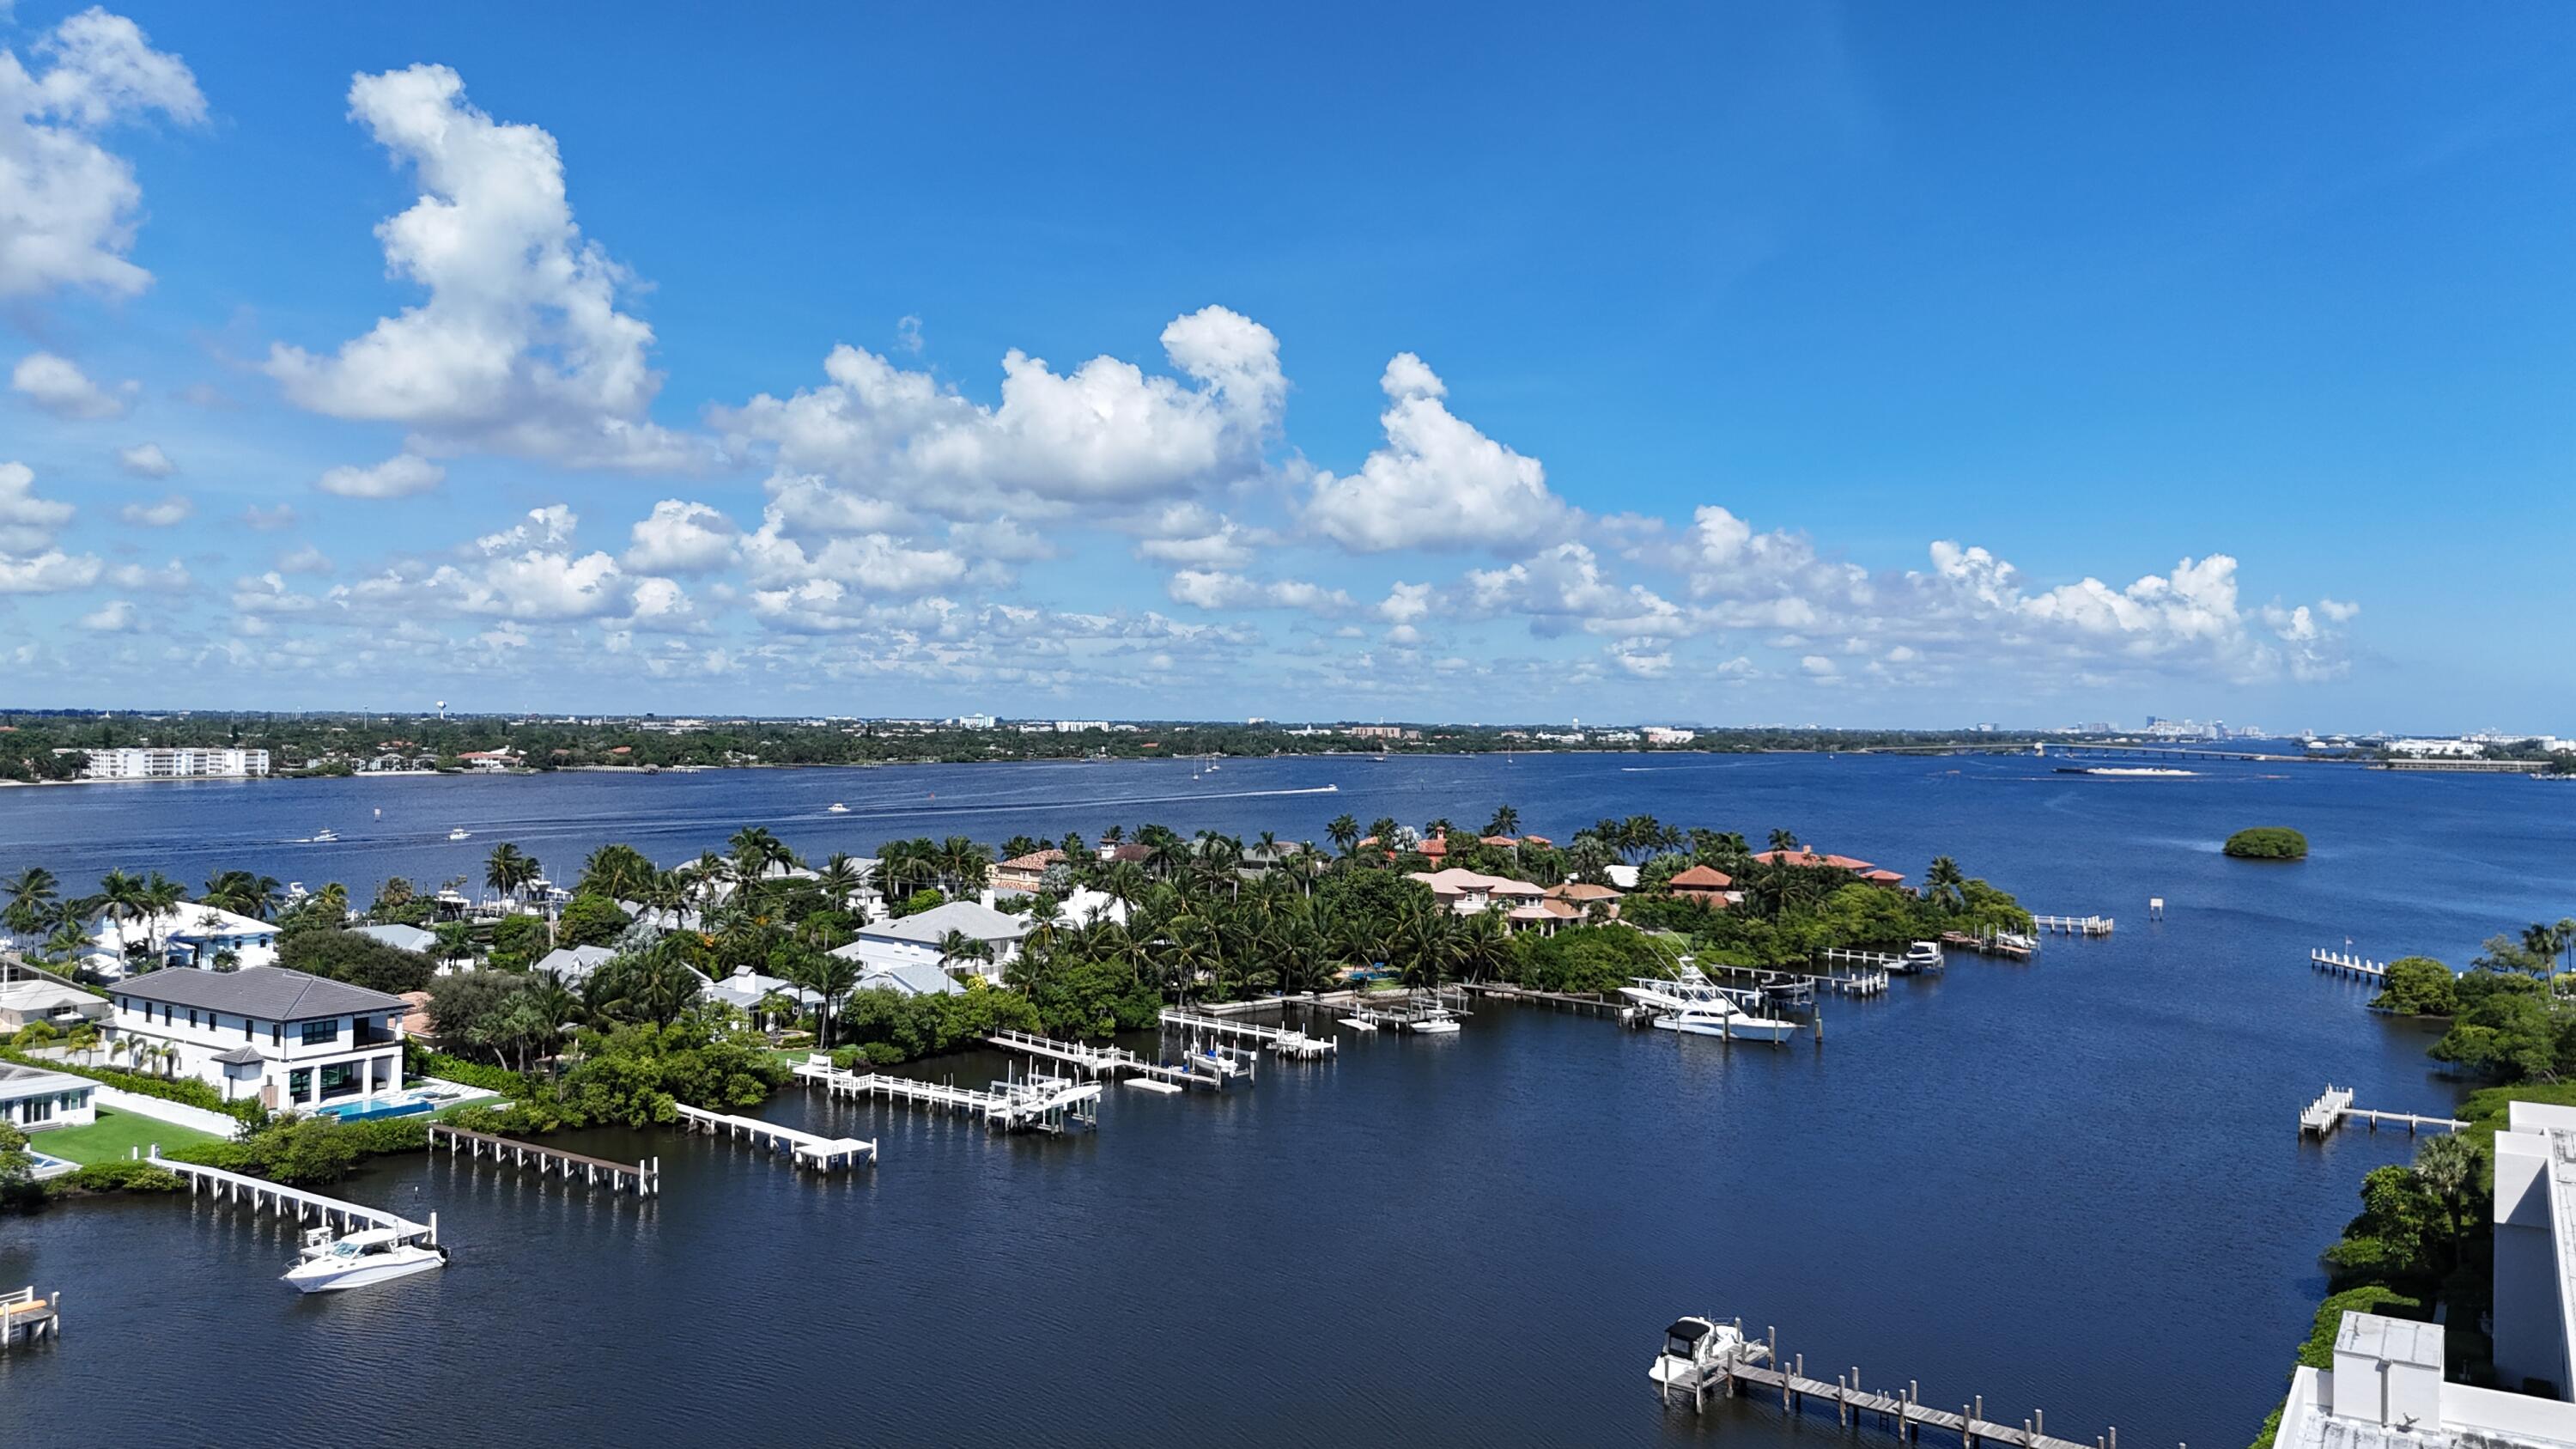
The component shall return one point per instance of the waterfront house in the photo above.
(1024, 874)
(911, 981)
(1806, 859)
(747, 989)
(288, 1039)
(189, 934)
(24, 1003)
(1468, 892)
(915, 940)
(1707, 886)
(33, 1099)
(401, 938)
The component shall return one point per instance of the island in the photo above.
(2268, 842)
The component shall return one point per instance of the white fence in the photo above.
(178, 1114)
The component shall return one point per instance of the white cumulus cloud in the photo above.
(399, 476)
(1438, 483)
(520, 347)
(68, 205)
(163, 513)
(146, 460)
(680, 537)
(57, 385)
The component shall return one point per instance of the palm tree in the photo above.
(2544, 941)
(1344, 832)
(619, 872)
(1784, 840)
(65, 944)
(2448, 1167)
(957, 949)
(508, 869)
(963, 865)
(255, 896)
(1944, 885)
(1506, 821)
(841, 879)
(829, 977)
(32, 893)
(161, 897)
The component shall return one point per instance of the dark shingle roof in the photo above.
(271, 993)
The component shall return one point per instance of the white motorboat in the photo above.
(1694, 1005)
(325, 836)
(2017, 940)
(334, 1261)
(1921, 956)
(1697, 1355)
(1435, 1023)
(460, 833)
(836, 808)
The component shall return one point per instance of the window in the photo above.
(245, 1028)
(277, 1033)
(321, 1031)
(192, 1016)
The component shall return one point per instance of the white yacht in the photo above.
(1435, 1022)
(836, 808)
(1921, 956)
(460, 833)
(325, 835)
(1692, 1004)
(1697, 1354)
(333, 1261)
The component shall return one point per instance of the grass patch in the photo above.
(112, 1137)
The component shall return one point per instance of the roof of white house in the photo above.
(916, 979)
(26, 996)
(401, 938)
(270, 993)
(189, 921)
(932, 926)
(575, 963)
(746, 988)
(18, 1081)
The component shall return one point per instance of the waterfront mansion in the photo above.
(295, 1042)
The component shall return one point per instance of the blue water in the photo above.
(2075, 1185)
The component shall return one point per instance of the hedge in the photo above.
(187, 1091)
(423, 1062)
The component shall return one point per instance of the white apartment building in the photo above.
(1659, 735)
(294, 1041)
(175, 764)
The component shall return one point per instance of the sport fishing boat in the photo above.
(325, 835)
(1693, 1005)
(333, 1261)
(1435, 1022)
(1921, 956)
(836, 808)
(1697, 1355)
(460, 833)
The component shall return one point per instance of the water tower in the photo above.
(442, 709)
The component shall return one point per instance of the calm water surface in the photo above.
(2075, 1185)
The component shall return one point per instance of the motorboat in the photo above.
(333, 1261)
(460, 833)
(1921, 956)
(2017, 940)
(325, 836)
(1726, 1019)
(1700, 1354)
(836, 808)
(1436, 1022)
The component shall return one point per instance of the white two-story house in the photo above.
(914, 941)
(296, 1042)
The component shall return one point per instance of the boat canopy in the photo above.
(1691, 1330)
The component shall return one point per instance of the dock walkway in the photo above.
(643, 1178)
(1103, 1061)
(808, 1149)
(25, 1318)
(1902, 1409)
(2334, 1108)
(277, 1197)
(1287, 1041)
(1028, 1104)
(2345, 964)
(2072, 925)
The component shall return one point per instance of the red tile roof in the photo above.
(1702, 878)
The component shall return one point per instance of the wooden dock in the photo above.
(644, 1178)
(1025, 1104)
(1287, 1041)
(1583, 1003)
(26, 1318)
(2345, 964)
(265, 1196)
(2072, 925)
(1902, 1410)
(807, 1149)
(1105, 1061)
(1986, 946)
(2322, 1116)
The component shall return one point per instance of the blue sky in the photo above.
(1880, 365)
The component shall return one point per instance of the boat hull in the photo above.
(363, 1275)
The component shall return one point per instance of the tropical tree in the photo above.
(2448, 1168)
(1784, 840)
(32, 894)
(1506, 821)
(619, 872)
(255, 896)
(509, 870)
(1344, 832)
(959, 949)
(828, 976)
(1944, 885)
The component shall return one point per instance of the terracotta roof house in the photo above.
(1803, 858)
(1583, 896)
(1468, 893)
(1025, 873)
(1703, 884)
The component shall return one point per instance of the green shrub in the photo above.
(419, 1061)
(2268, 842)
(532, 1118)
(2418, 986)
(127, 1176)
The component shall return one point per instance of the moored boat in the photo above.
(331, 1262)
(1697, 1354)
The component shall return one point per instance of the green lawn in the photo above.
(109, 1138)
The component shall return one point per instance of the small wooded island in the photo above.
(2268, 842)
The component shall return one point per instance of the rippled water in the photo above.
(2075, 1185)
